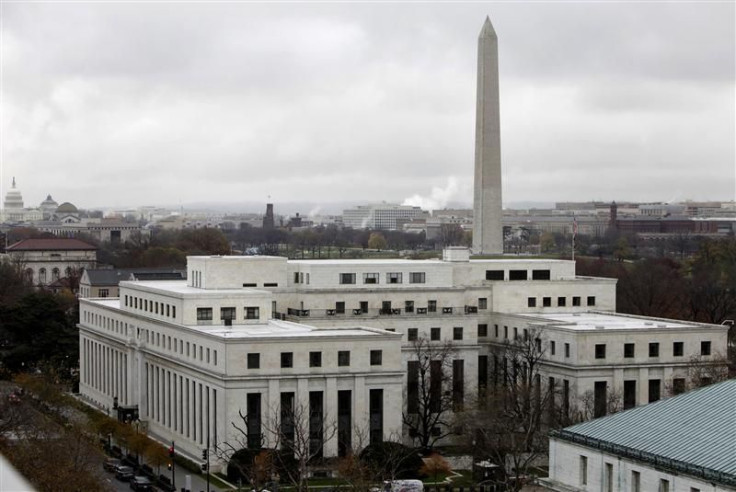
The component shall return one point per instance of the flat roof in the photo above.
(271, 328)
(606, 321)
(181, 287)
(403, 261)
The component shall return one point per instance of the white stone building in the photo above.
(192, 358)
(300, 306)
(381, 216)
(682, 444)
(45, 261)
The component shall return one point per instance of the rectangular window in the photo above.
(458, 384)
(591, 300)
(457, 333)
(552, 347)
(417, 277)
(254, 360)
(583, 470)
(287, 359)
(629, 393)
(518, 275)
(531, 302)
(412, 387)
(344, 422)
(343, 358)
(252, 312)
(600, 398)
(655, 390)
(654, 349)
(494, 274)
(375, 410)
(409, 306)
(482, 371)
(376, 357)
(635, 481)
(412, 334)
(431, 306)
(567, 350)
(608, 485)
(705, 348)
(315, 359)
(506, 332)
(540, 275)
(227, 313)
(678, 386)
(576, 301)
(253, 420)
(629, 350)
(482, 330)
(347, 278)
(678, 348)
(316, 423)
(664, 485)
(370, 278)
(482, 303)
(340, 307)
(434, 334)
(204, 314)
(561, 301)
(546, 301)
(393, 278)
(104, 292)
(495, 330)
(364, 307)
(600, 351)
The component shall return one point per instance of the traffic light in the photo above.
(204, 467)
(171, 451)
(168, 465)
(205, 454)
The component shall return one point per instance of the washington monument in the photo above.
(487, 209)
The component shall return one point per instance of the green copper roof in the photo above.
(695, 430)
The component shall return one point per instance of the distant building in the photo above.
(268, 222)
(382, 216)
(682, 444)
(46, 261)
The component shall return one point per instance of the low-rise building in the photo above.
(682, 444)
(47, 260)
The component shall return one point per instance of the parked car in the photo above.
(110, 464)
(403, 486)
(124, 473)
(141, 483)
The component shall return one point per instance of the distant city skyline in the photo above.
(114, 105)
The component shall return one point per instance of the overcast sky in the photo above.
(113, 104)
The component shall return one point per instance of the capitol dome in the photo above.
(13, 199)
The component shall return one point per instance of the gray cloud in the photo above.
(140, 103)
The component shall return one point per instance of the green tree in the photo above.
(377, 241)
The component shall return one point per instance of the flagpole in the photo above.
(574, 233)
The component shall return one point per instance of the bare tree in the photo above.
(431, 397)
(513, 416)
(300, 434)
(296, 432)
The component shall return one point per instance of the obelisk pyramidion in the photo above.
(487, 211)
